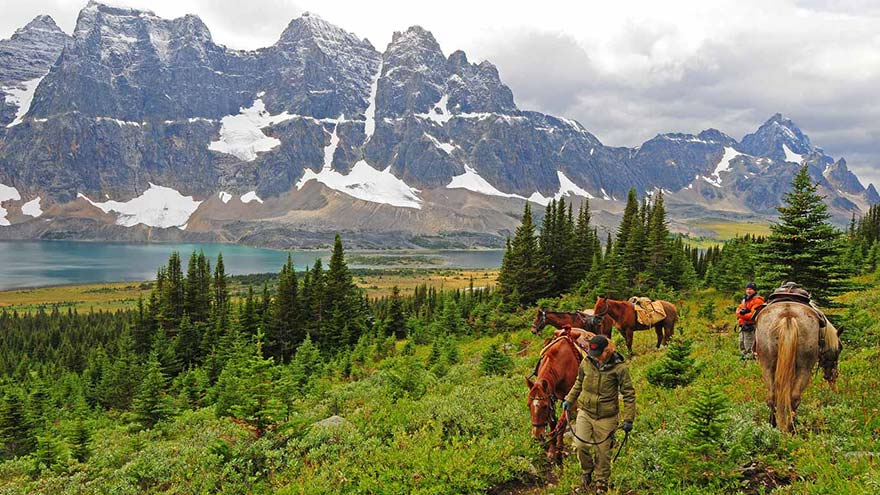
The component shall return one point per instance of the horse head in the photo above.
(542, 409)
(601, 308)
(540, 321)
(829, 355)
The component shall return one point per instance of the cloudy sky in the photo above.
(626, 70)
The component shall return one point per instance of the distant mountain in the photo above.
(139, 127)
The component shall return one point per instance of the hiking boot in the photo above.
(586, 482)
(601, 487)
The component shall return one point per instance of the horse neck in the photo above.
(555, 362)
(616, 309)
(558, 318)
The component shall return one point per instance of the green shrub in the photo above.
(495, 362)
(676, 368)
(707, 310)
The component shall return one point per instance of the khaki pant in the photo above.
(747, 343)
(595, 459)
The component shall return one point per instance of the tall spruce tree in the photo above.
(151, 403)
(286, 330)
(396, 320)
(658, 244)
(804, 247)
(524, 278)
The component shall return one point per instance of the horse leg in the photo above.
(628, 336)
(670, 331)
(658, 328)
(560, 445)
(801, 383)
(767, 373)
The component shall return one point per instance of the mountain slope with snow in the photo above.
(324, 123)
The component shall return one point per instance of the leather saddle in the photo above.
(790, 292)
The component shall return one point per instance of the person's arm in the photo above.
(576, 389)
(629, 394)
(755, 302)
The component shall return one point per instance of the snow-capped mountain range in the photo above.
(139, 127)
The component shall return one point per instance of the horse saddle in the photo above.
(648, 312)
(790, 292)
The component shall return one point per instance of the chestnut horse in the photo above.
(790, 341)
(624, 316)
(578, 319)
(556, 375)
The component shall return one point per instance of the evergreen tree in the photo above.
(495, 362)
(187, 344)
(803, 246)
(16, 436)
(524, 274)
(221, 293)
(707, 418)
(676, 368)
(659, 255)
(151, 403)
(396, 320)
(344, 300)
(584, 244)
(247, 390)
(306, 363)
(287, 329)
(79, 440)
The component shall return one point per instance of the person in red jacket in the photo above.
(745, 316)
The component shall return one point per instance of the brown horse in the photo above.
(624, 316)
(555, 376)
(578, 319)
(789, 342)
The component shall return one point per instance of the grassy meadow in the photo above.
(414, 428)
(124, 295)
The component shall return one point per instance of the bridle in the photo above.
(551, 406)
(541, 323)
(607, 308)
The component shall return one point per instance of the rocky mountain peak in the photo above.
(24, 59)
(309, 28)
(779, 138)
(414, 46)
(41, 23)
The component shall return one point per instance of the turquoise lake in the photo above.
(41, 263)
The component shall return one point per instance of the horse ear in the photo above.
(529, 383)
(545, 386)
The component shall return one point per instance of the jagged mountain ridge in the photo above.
(135, 100)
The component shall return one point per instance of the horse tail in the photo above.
(783, 382)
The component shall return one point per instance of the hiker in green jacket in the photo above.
(601, 376)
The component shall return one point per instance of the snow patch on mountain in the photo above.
(568, 187)
(32, 208)
(225, 197)
(370, 113)
(158, 206)
(251, 196)
(447, 147)
(7, 193)
(242, 136)
(472, 181)
(723, 166)
(439, 113)
(791, 156)
(330, 149)
(366, 183)
(21, 96)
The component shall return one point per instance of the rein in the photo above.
(563, 420)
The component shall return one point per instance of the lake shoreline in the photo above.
(38, 264)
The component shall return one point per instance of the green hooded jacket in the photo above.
(597, 387)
